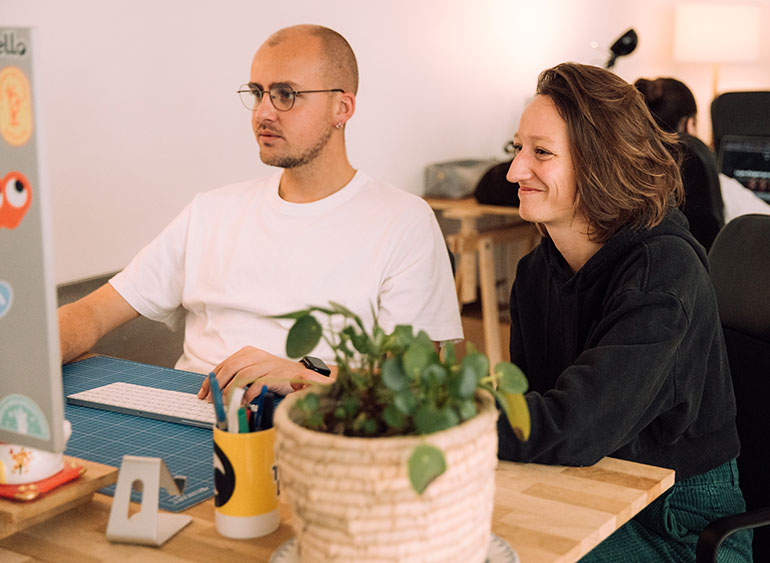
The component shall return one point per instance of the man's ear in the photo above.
(346, 107)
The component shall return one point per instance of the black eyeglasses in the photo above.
(282, 96)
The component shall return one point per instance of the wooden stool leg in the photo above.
(466, 267)
(489, 310)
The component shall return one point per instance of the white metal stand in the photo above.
(148, 526)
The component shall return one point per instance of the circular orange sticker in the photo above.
(15, 106)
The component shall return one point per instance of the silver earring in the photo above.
(339, 125)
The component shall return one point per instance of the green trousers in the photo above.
(667, 530)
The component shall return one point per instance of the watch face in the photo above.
(316, 364)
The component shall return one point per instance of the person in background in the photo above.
(613, 316)
(316, 231)
(671, 101)
(674, 109)
(739, 200)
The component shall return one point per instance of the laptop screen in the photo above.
(31, 401)
(747, 159)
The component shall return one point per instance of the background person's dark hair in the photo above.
(672, 105)
(670, 101)
(624, 168)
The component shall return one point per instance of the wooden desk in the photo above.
(546, 513)
(472, 241)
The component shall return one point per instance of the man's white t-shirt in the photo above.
(239, 254)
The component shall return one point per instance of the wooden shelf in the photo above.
(17, 515)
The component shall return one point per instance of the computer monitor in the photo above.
(31, 400)
(747, 159)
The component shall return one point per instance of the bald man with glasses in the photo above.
(315, 231)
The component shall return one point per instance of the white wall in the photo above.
(141, 111)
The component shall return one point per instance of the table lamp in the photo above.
(716, 33)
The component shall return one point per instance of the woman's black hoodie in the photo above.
(625, 357)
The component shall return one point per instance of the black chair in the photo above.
(740, 270)
(740, 113)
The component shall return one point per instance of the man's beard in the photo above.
(295, 161)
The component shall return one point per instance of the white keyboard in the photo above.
(149, 402)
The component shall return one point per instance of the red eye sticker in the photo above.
(15, 199)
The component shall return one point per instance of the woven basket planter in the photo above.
(352, 499)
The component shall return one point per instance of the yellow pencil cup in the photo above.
(245, 484)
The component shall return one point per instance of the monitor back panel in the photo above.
(31, 403)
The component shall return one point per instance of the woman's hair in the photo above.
(625, 170)
(670, 102)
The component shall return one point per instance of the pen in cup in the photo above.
(266, 418)
(236, 396)
(219, 408)
(253, 418)
(260, 403)
(243, 421)
(260, 397)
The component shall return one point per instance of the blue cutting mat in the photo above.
(105, 437)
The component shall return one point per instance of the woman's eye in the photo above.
(515, 149)
(542, 152)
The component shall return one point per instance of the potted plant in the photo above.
(395, 459)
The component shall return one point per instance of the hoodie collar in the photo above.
(673, 224)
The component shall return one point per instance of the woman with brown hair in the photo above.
(613, 316)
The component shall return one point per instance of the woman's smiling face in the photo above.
(543, 166)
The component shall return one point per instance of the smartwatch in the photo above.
(316, 364)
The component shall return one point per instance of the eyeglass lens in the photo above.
(282, 97)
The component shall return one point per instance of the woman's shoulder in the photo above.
(667, 262)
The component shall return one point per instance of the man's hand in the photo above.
(255, 366)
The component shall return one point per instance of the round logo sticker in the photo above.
(15, 106)
(6, 297)
(21, 414)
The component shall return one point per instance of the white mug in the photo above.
(22, 464)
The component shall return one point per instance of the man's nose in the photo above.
(265, 107)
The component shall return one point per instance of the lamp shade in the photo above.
(716, 33)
